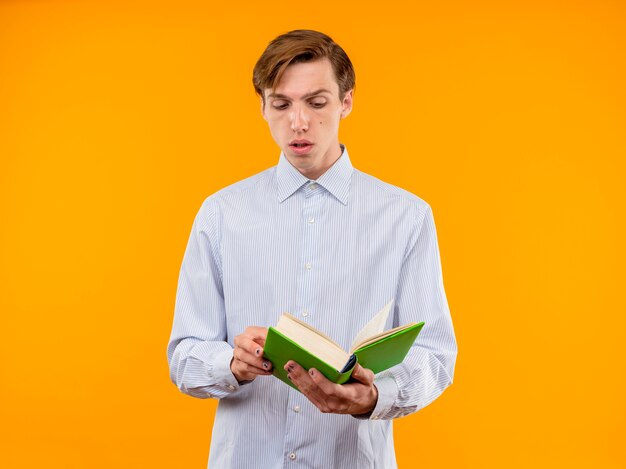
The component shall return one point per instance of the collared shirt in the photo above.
(332, 252)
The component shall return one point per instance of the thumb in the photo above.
(363, 374)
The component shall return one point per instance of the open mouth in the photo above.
(301, 147)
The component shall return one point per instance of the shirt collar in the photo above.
(335, 180)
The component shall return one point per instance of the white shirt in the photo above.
(333, 252)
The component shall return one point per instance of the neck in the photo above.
(314, 170)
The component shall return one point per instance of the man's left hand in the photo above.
(355, 398)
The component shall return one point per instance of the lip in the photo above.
(305, 147)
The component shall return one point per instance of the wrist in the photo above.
(233, 370)
(373, 399)
(369, 404)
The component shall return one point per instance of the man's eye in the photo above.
(280, 106)
(318, 104)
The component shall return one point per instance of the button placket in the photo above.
(294, 403)
(308, 272)
(314, 199)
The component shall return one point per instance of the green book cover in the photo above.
(279, 349)
(377, 354)
(388, 351)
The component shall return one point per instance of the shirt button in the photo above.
(231, 387)
(376, 417)
(292, 456)
(305, 313)
(311, 220)
(307, 266)
(296, 409)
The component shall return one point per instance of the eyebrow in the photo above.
(308, 95)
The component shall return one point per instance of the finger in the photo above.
(324, 384)
(313, 382)
(254, 370)
(246, 372)
(304, 382)
(257, 334)
(252, 360)
(250, 346)
(337, 398)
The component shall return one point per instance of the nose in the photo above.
(299, 120)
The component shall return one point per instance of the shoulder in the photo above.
(259, 181)
(368, 186)
(241, 190)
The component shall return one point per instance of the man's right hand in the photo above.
(248, 362)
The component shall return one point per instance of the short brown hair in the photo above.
(301, 45)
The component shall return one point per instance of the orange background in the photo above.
(118, 118)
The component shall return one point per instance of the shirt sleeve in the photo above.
(428, 368)
(198, 355)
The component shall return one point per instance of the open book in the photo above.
(292, 339)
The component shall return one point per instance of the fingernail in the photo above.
(266, 364)
(289, 377)
(258, 351)
(290, 367)
(312, 372)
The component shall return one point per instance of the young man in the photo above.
(328, 243)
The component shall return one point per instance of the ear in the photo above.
(346, 104)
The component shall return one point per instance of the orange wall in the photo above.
(118, 118)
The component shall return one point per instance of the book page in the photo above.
(372, 328)
(312, 340)
(382, 335)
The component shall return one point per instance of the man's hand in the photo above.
(248, 362)
(353, 398)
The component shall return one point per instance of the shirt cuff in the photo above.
(387, 395)
(222, 373)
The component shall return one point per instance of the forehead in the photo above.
(307, 77)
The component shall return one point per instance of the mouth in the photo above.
(300, 147)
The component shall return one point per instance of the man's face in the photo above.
(303, 114)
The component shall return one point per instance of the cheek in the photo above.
(276, 125)
(329, 122)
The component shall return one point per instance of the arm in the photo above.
(199, 356)
(429, 366)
